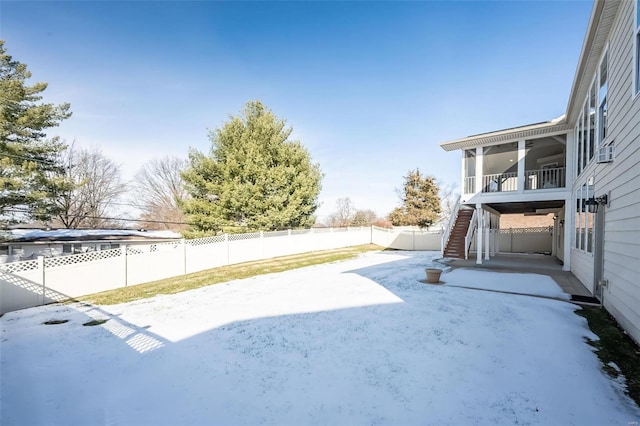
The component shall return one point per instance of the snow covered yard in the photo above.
(355, 342)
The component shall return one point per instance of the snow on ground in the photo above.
(355, 342)
(534, 284)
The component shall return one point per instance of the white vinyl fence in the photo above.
(520, 240)
(45, 280)
(406, 240)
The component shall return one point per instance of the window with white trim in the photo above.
(583, 237)
(579, 144)
(602, 96)
(586, 130)
(592, 120)
(71, 248)
(585, 135)
(637, 37)
(589, 218)
(578, 239)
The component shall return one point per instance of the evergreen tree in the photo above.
(30, 173)
(255, 177)
(420, 201)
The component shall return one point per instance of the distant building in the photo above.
(25, 244)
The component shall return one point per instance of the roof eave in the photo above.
(600, 24)
(596, 12)
(493, 138)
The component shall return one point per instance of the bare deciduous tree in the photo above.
(364, 217)
(343, 214)
(95, 183)
(448, 198)
(158, 191)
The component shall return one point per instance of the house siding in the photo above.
(582, 267)
(621, 180)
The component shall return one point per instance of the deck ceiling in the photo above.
(526, 206)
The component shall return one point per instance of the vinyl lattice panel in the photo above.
(91, 256)
(14, 267)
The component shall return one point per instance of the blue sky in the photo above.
(370, 88)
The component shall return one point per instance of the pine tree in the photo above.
(254, 178)
(30, 173)
(420, 201)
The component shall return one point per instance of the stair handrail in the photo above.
(452, 220)
(470, 231)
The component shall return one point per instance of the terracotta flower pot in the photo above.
(433, 275)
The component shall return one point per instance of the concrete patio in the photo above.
(528, 263)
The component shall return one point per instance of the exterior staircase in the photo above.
(455, 245)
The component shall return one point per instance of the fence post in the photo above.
(42, 277)
(261, 244)
(226, 240)
(184, 256)
(510, 240)
(124, 263)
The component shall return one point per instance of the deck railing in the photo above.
(501, 182)
(508, 182)
(469, 185)
(545, 178)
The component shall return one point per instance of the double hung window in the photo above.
(637, 49)
(602, 110)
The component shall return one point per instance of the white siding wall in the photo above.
(621, 179)
(582, 267)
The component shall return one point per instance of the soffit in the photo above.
(527, 206)
(509, 135)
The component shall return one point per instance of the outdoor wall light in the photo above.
(593, 203)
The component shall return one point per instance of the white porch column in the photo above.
(479, 234)
(479, 169)
(569, 203)
(569, 164)
(487, 234)
(463, 170)
(496, 232)
(569, 229)
(554, 236)
(521, 159)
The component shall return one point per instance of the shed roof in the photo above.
(36, 235)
